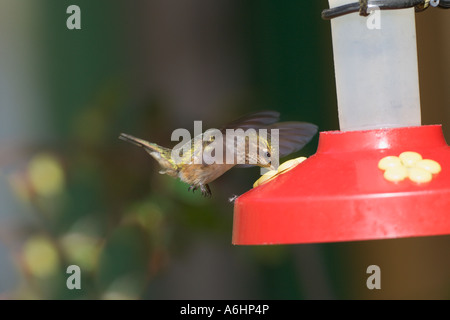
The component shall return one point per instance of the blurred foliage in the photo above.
(95, 210)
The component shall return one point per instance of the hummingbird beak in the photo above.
(272, 167)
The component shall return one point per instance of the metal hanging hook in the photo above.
(364, 6)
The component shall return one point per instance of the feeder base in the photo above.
(340, 194)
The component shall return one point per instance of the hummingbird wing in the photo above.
(293, 135)
(253, 120)
(256, 120)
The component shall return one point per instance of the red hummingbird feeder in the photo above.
(340, 193)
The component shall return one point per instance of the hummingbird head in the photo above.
(262, 155)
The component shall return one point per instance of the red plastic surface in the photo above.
(339, 194)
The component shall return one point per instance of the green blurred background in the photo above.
(72, 193)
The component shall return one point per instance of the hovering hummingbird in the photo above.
(195, 162)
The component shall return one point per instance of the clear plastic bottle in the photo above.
(376, 70)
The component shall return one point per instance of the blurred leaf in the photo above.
(125, 254)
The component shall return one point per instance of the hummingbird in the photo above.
(193, 162)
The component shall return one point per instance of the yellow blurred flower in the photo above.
(46, 174)
(40, 256)
(81, 250)
(124, 288)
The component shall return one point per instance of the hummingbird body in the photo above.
(196, 175)
(197, 167)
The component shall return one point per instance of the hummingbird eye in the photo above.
(268, 154)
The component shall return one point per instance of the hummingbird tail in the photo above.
(140, 142)
(160, 154)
